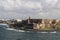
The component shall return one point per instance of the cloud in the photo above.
(11, 4)
(33, 8)
(51, 9)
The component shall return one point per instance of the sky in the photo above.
(12, 9)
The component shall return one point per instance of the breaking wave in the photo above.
(49, 32)
(15, 30)
(5, 26)
(28, 31)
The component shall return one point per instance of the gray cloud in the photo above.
(34, 8)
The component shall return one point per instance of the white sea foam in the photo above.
(3, 24)
(53, 32)
(43, 32)
(48, 32)
(15, 30)
(27, 31)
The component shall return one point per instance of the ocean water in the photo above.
(23, 35)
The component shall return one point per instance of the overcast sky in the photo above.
(33, 8)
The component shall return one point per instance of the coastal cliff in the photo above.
(35, 24)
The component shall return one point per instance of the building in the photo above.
(18, 20)
(36, 23)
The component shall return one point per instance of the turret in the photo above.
(29, 20)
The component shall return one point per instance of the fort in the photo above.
(34, 24)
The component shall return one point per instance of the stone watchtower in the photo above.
(29, 20)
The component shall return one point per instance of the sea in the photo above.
(13, 34)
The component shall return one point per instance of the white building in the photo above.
(18, 20)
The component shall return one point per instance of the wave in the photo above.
(15, 30)
(53, 32)
(28, 31)
(48, 32)
(44, 32)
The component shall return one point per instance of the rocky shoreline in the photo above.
(33, 24)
